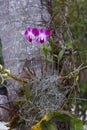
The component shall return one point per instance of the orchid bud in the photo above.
(7, 71)
(1, 67)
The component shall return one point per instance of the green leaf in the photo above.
(27, 91)
(51, 44)
(50, 59)
(44, 49)
(77, 78)
(70, 45)
(18, 101)
(60, 55)
(49, 48)
(48, 126)
(76, 123)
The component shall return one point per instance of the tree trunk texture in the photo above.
(15, 16)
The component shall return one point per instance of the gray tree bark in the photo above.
(15, 16)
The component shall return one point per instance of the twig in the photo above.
(6, 108)
(81, 99)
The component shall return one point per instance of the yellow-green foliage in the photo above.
(48, 122)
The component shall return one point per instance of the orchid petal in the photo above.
(47, 41)
(41, 41)
(35, 31)
(29, 39)
(41, 30)
(47, 32)
(28, 29)
(26, 32)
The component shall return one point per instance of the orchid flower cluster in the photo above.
(37, 35)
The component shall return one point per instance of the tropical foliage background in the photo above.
(75, 34)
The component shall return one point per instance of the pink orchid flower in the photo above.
(31, 34)
(43, 36)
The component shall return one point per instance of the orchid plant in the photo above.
(40, 37)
